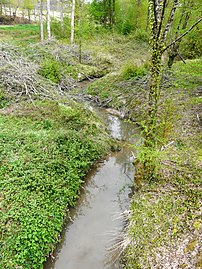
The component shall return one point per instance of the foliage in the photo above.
(50, 69)
(97, 11)
(103, 12)
(192, 45)
(141, 35)
(57, 31)
(131, 16)
(46, 149)
(165, 214)
(3, 99)
(20, 34)
(132, 71)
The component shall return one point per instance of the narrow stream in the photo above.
(95, 219)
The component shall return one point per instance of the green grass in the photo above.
(45, 151)
(188, 75)
(165, 215)
(20, 34)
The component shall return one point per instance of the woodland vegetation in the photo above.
(140, 57)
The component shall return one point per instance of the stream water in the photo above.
(95, 222)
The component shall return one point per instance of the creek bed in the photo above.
(95, 222)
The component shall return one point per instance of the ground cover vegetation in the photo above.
(46, 149)
(111, 40)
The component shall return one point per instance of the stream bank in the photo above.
(95, 222)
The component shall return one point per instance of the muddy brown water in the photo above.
(95, 222)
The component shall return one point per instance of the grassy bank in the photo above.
(20, 34)
(165, 222)
(46, 149)
(165, 218)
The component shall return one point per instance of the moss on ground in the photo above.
(45, 150)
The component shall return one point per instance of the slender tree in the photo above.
(160, 27)
(40, 8)
(62, 15)
(72, 21)
(161, 20)
(1, 7)
(48, 18)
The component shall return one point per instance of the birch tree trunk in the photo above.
(34, 14)
(1, 7)
(61, 16)
(48, 18)
(40, 6)
(72, 21)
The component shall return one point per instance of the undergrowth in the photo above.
(45, 150)
(165, 223)
(20, 34)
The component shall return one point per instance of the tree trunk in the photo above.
(48, 19)
(61, 16)
(1, 7)
(110, 13)
(40, 7)
(10, 11)
(29, 16)
(72, 22)
(80, 29)
(23, 14)
(113, 11)
(137, 15)
(105, 12)
(34, 14)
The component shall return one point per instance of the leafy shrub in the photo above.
(50, 69)
(57, 31)
(132, 71)
(141, 35)
(41, 170)
(124, 27)
(3, 99)
(127, 27)
(191, 46)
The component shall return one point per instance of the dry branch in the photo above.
(19, 77)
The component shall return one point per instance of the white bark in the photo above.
(61, 15)
(48, 18)
(1, 7)
(40, 6)
(72, 21)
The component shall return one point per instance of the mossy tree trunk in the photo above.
(147, 166)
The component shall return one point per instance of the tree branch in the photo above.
(180, 37)
(162, 17)
(170, 20)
